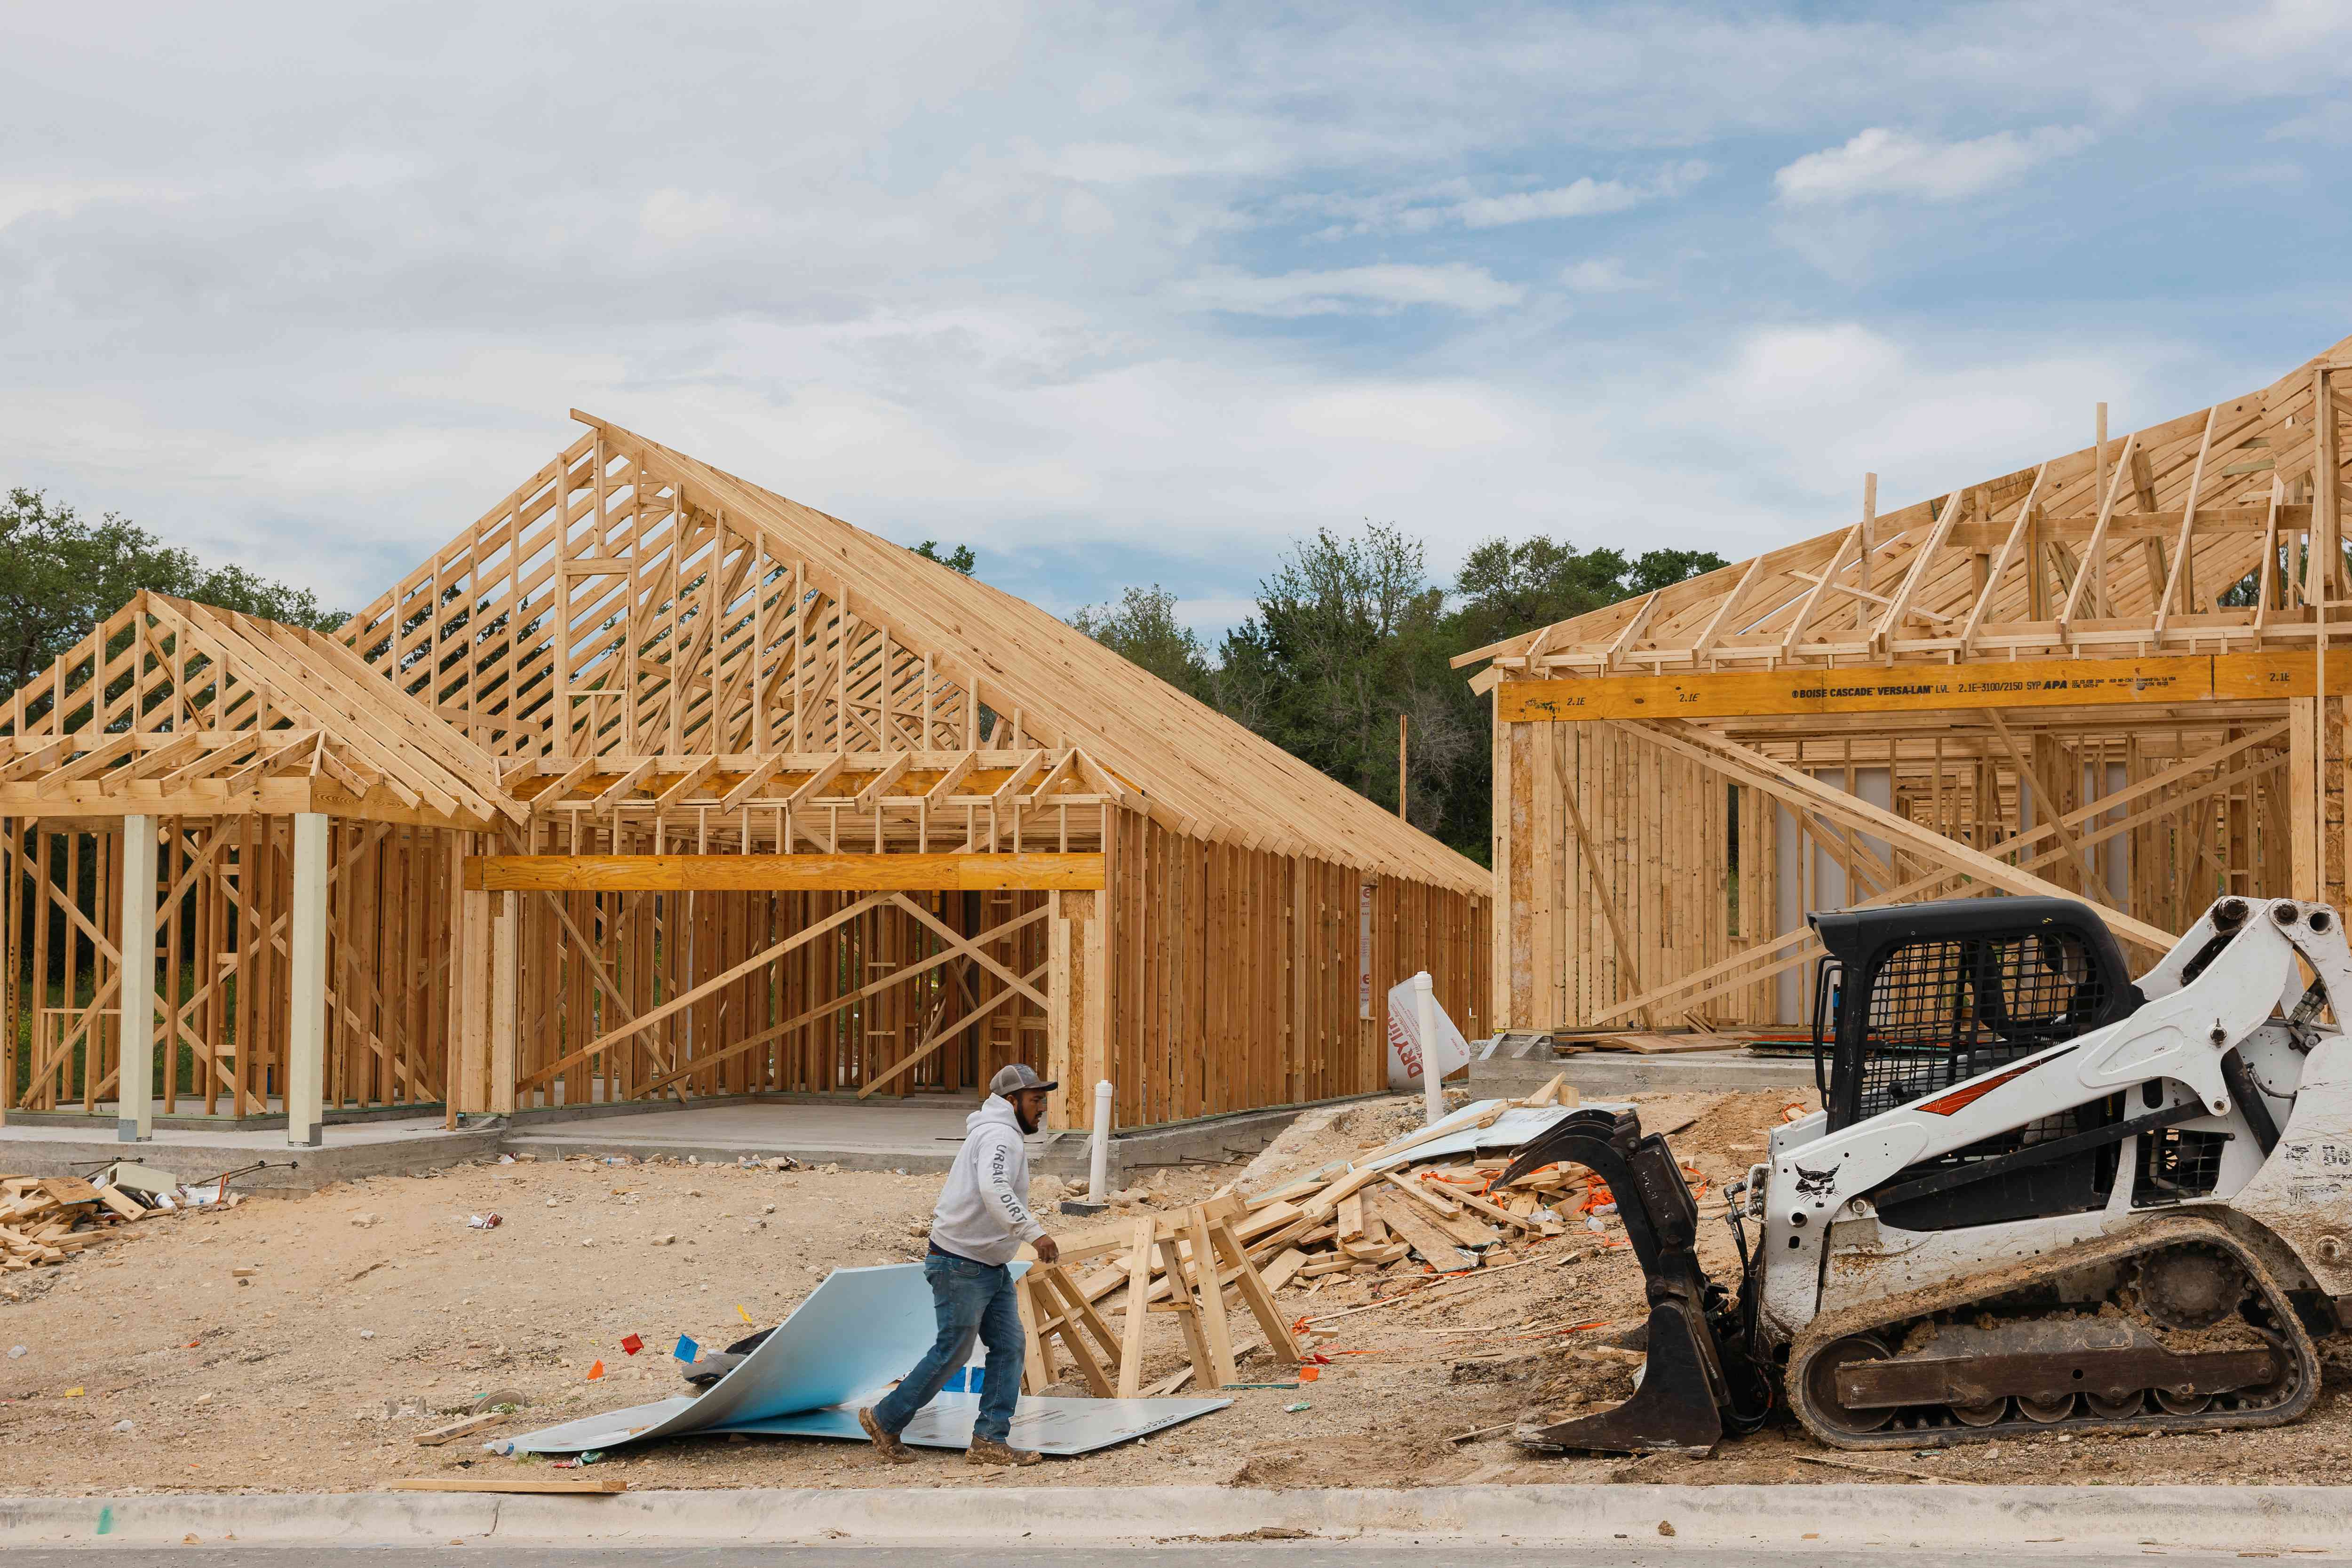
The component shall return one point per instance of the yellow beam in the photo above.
(1899, 689)
(780, 873)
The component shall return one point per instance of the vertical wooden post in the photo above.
(134, 1094)
(2097, 564)
(1401, 755)
(506, 955)
(1862, 609)
(473, 967)
(1077, 1047)
(306, 1044)
(2304, 799)
(2327, 501)
(1090, 1004)
(2327, 531)
(12, 867)
(1498, 906)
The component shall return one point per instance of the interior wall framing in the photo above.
(220, 949)
(1201, 979)
(1701, 865)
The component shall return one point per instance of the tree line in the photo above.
(60, 574)
(1351, 633)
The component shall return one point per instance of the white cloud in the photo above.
(1600, 275)
(318, 288)
(62, 198)
(2324, 122)
(1435, 417)
(1583, 199)
(1383, 287)
(1882, 163)
(1816, 406)
(1455, 204)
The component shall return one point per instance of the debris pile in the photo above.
(1429, 1194)
(45, 1219)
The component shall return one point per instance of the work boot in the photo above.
(887, 1445)
(989, 1451)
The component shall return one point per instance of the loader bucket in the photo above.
(1699, 1370)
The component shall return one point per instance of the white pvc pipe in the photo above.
(1432, 1086)
(1099, 1162)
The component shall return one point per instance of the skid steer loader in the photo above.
(2040, 1196)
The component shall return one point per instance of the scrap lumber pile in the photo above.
(1645, 1043)
(1443, 1209)
(1383, 1209)
(46, 1219)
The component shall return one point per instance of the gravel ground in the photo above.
(373, 1311)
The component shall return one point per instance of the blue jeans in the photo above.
(973, 1300)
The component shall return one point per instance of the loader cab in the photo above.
(1915, 998)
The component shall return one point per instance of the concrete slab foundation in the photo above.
(917, 1136)
(364, 1149)
(1604, 1074)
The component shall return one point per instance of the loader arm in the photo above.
(1698, 1377)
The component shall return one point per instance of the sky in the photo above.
(1127, 295)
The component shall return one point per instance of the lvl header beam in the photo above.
(780, 873)
(1904, 689)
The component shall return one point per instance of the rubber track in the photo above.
(1955, 1294)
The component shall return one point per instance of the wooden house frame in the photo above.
(2119, 673)
(654, 785)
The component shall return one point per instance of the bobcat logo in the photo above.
(1816, 1183)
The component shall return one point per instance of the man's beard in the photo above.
(1028, 1123)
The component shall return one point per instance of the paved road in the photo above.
(1301, 1555)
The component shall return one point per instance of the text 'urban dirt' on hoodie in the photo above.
(983, 1210)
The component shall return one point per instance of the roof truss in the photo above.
(2122, 548)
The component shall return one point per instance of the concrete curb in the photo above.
(1790, 1518)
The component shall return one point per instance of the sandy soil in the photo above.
(356, 1333)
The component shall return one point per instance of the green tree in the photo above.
(1350, 634)
(1504, 589)
(1143, 626)
(60, 575)
(1655, 569)
(959, 559)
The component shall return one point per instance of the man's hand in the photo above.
(1045, 1248)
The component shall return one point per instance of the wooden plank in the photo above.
(1211, 1295)
(1908, 688)
(1650, 1045)
(461, 1429)
(1037, 871)
(1437, 1248)
(1139, 1295)
(1255, 1295)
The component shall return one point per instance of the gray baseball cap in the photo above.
(1011, 1080)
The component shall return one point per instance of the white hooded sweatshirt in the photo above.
(983, 1211)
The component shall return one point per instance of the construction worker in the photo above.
(982, 1219)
